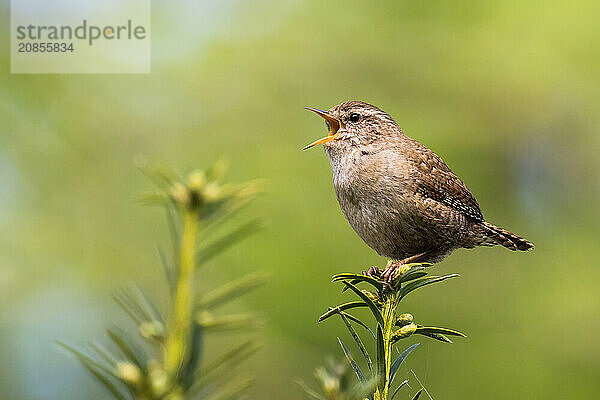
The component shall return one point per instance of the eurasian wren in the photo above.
(397, 194)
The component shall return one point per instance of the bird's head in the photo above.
(354, 124)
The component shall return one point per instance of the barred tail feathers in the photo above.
(505, 238)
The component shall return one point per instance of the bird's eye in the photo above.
(354, 117)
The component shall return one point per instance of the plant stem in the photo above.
(181, 323)
(388, 312)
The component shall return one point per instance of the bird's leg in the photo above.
(390, 271)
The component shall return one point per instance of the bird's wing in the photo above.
(436, 181)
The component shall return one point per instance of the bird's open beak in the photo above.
(333, 123)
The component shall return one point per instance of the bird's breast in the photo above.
(375, 201)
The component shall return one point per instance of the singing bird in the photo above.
(398, 195)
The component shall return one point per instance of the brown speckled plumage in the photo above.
(398, 195)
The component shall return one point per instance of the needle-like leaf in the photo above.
(161, 175)
(358, 341)
(399, 360)
(239, 386)
(376, 312)
(225, 362)
(227, 322)
(419, 264)
(438, 336)
(418, 394)
(168, 269)
(415, 273)
(358, 321)
(109, 359)
(82, 357)
(103, 374)
(188, 370)
(218, 246)
(105, 381)
(405, 382)
(145, 304)
(423, 330)
(127, 348)
(355, 278)
(227, 212)
(342, 307)
(353, 363)
(422, 282)
(380, 358)
(129, 307)
(231, 290)
(308, 392)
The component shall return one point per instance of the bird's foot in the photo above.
(389, 273)
(373, 272)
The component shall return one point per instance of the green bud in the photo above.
(404, 319)
(330, 384)
(196, 180)
(405, 331)
(331, 387)
(152, 329)
(158, 378)
(205, 318)
(180, 194)
(212, 192)
(129, 373)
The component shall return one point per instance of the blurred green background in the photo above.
(507, 92)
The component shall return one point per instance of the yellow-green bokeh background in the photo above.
(507, 92)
